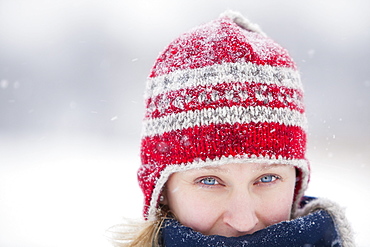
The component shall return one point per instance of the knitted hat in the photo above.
(221, 93)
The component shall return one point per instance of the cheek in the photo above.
(194, 210)
(276, 207)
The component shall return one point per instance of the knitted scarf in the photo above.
(315, 229)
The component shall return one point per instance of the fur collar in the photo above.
(311, 204)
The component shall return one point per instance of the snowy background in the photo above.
(72, 76)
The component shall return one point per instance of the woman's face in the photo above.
(231, 200)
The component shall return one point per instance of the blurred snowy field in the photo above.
(65, 190)
(72, 76)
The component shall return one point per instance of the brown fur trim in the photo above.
(341, 223)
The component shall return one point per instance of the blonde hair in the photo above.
(138, 233)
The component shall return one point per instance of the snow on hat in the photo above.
(221, 93)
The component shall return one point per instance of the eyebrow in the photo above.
(259, 167)
(211, 168)
(268, 167)
(215, 168)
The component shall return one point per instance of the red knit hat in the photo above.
(221, 93)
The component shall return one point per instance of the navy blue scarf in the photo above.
(313, 230)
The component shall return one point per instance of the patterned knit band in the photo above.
(221, 93)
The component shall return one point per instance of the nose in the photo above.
(240, 213)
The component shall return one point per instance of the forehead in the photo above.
(250, 167)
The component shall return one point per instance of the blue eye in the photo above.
(209, 181)
(268, 178)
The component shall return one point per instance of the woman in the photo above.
(223, 147)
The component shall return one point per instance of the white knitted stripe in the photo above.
(224, 115)
(341, 223)
(226, 72)
(170, 169)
